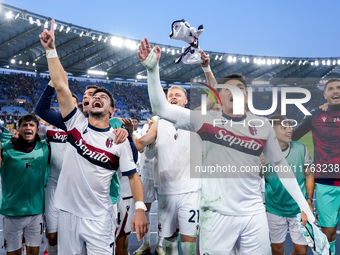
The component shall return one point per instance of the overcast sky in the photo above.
(287, 28)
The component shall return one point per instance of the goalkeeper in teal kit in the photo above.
(24, 162)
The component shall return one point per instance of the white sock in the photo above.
(159, 241)
(146, 238)
(171, 246)
(52, 250)
(188, 248)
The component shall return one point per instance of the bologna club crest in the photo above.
(253, 130)
(109, 142)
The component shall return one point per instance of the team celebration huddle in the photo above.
(87, 179)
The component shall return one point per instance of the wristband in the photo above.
(310, 198)
(140, 205)
(51, 53)
(206, 69)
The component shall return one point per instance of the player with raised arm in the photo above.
(86, 223)
(325, 126)
(232, 211)
(178, 194)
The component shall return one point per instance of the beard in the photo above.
(97, 115)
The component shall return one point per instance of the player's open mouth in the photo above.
(28, 133)
(231, 99)
(97, 104)
(86, 103)
(336, 97)
(174, 102)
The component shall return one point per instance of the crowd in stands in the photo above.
(20, 92)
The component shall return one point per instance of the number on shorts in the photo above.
(41, 228)
(191, 219)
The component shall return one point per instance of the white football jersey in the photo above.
(173, 154)
(90, 160)
(231, 184)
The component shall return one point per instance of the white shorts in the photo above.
(149, 190)
(180, 212)
(278, 228)
(51, 212)
(220, 233)
(82, 236)
(31, 227)
(126, 211)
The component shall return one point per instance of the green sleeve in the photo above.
(6, 136)
(114, 188)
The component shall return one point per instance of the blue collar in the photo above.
(99, 129)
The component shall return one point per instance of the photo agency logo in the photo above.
(245, 135)
(300, 97)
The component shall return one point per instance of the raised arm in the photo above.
(206, 68)
(210, 79)
(57, 72)
(178, 115)
(43, 108)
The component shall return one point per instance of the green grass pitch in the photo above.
(308, 141)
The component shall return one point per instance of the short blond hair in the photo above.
(178, 87)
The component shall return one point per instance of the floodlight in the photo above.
(9, 15)
(94, 72)
(130, 44)
(117, 41)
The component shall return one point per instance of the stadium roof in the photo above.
(87, 52)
